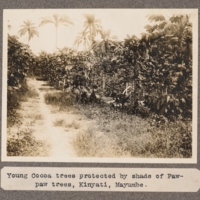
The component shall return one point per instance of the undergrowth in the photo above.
(59, 122)
(25, 144)
(119, 134)
(14, 97)
(123, 134)
(22, 143)
(59, 99)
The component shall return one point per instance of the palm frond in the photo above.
(29, 28)
(156, 18)
(32, 33)
(23, 31)
(45, 21)
(65, 20)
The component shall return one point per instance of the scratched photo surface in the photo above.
(100, 85)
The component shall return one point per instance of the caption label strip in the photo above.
(100, 179)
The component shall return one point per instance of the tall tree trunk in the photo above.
(91, 39)
(28, 37)
(56, 36)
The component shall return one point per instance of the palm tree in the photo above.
(83, 38)
(104, 47)
(106, 44)
(29, 28)
(92, 27)
(56, 20)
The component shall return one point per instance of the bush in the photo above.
(14, 97)
(172, 140)
(26, 145)
(59, 122)
(60, 99)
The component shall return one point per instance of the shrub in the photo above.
(172, 140)
(14, 97)
(75, 125)
(60, 99)
(26, 145)
(59, 122)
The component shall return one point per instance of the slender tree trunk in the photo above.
(91, 38)
(28, 37)
(56, 36)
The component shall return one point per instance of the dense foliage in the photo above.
(149, 76)
(156, 69)
(20, 63)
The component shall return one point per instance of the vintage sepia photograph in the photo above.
(100, 85)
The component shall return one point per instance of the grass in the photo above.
(93, 143)
(63, 123)
(25, 144)
(123, 135)
(60, 99)
(75, 125)
(59, 122)
(20, 141)
(38, 117)
(14, 98)
(112, 137)
(31, 93)
(119, 134)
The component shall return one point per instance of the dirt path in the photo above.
(42, 118)
(59, 139)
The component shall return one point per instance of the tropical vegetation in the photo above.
(148, 77)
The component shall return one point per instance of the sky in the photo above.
(121, 22)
